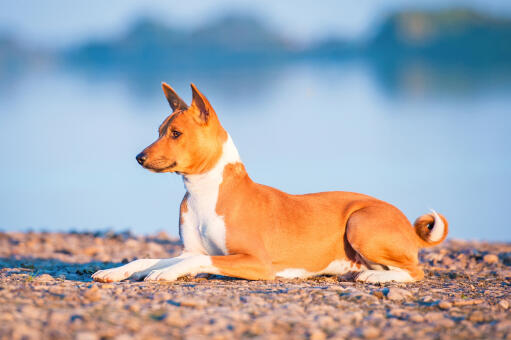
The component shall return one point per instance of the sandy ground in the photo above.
(46, 293)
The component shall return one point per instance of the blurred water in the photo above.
(68, 143)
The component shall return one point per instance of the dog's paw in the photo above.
(377, 276)
(161, 275)
(110, 275)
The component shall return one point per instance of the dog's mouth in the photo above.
(162, 169)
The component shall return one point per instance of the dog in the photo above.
(232, 226)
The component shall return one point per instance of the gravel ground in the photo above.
(46, 293)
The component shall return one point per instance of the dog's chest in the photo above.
(202, 229)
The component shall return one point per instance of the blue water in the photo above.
(68, 142)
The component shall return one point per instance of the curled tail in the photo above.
(431, 229)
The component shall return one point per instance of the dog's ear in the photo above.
(201, 103)
(176, 103)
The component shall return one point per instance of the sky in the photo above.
(55, 23)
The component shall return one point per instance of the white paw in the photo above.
(111, 275)
(162, 275)
(377, 276)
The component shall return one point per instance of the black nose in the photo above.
(141, 157)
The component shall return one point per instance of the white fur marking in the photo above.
(336, 267)
(437, 232)
(203, 230)
(190, 265)
(136, 269)
(377, 276)
(291, 273)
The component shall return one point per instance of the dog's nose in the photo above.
(141, 157)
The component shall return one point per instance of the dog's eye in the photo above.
(175, 134)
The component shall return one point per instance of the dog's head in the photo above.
(190, 139)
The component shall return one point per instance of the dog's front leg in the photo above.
(136, 270)
(240, 265)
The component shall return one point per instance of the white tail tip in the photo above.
(437, 232)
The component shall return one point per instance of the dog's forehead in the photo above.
(171, 118)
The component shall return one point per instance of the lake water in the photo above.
(68, 141)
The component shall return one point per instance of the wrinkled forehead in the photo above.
(174, 117)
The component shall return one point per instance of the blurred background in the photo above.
(406, 101)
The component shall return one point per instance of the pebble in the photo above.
(445, 323)
(504, 325)
(504, 304)
(433, 316)
(476, 316)
(134, 307)
(370, 332)
(42, 306)
(92, 294)
(317, 335)
(491, 258)
(467, 302)
(416, 317)
(123, 337)
(44, 278)
(444, 305)
(86, 336)
(398, 294)
(189, 303)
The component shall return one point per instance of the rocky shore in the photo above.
(46, 293)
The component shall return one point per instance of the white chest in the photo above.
(202, 229)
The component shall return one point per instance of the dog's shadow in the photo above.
(34, 267)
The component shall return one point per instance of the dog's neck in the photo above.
(198, 185)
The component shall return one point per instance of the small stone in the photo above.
(491, 258)
(44, 278)
(162, 235)
(445, 305)
(317, 335)
(447, 261)
(31, 312)
(434, 316)
(445, 323)
(107, 285)
(427, 298)
(504, 325)
(91, 251)
(189, 303)
(92, 294)
(398, 294)
(86, 336)
(175, 320)
(379, 294)
(476, 316)
(468, 302)
(416, 317)
(135, 307)
(397, 312)
(504, 304)
(123, 337)
(370, 333)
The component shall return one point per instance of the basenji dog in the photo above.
(232, 226)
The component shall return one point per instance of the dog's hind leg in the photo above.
(385, 239)
(136, 270)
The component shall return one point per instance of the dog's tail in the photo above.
(431, 229)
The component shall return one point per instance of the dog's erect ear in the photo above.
(201, 103)
(176, 103)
